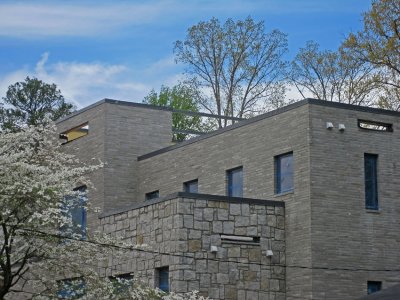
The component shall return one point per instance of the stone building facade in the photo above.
(180, 230)
(325, 242)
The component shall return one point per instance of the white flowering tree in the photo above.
(39, 246)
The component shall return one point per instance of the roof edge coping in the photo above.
(271, 114)
(210, 197)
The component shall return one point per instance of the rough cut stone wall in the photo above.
(181, 230)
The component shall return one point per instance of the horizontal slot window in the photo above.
(75, 133)
(240, 239)
(376, 126)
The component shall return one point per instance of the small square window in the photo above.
(235, 182)
(152, 195)
(374, 286)
(162, 275)
(284, 173)
(121, 283)
(191, 186)
(72, 288)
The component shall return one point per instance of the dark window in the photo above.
(152, 195)
(121, 283)
(75, 209)
(371, 181)
(373, 125)
(240, 239)
(71, 288)
(235, 182)
(163, 279)
(284, 173)
(191, 186)
(75, 133)
(374, 286)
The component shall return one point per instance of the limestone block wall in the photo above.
(119, 132)
(89, 150)
(351, 244)
(179, 232)
(253, 146)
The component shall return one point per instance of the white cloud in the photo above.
(83, 83)
(95, 18)
(71, 19)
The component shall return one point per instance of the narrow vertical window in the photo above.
(75, 210)
(371, 181)
(163, 279)
(373, 286)
(235, 182)
(191, 186)
(284, 173)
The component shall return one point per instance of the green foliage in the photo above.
(30, 103)
(178, 97)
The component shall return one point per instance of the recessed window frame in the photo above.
(371, 181)
(232, 189)
(122, 282)
(374, 125)
(80, 129)
(152, 195)
(191, 186)
(162, 279)
(279, 174)
(77, 213)
(373, 286)
(240, 239)
(66, 288)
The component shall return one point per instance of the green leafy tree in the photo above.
(237, 66)
(30, 102)
(379, 44)
(179, 97)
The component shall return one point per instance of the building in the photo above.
(298, 203)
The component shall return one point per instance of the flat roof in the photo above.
(112, 101)
(147, 106)
(240, 123)
(271, 114)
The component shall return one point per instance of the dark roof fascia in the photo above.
(115, 102)
(186, 195)
(143, 105)
(346, 106)
(225, 129)
(271, 114)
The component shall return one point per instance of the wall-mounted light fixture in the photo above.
(329, 125)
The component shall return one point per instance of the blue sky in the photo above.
(122, 49)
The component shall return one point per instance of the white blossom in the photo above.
(37, 182)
